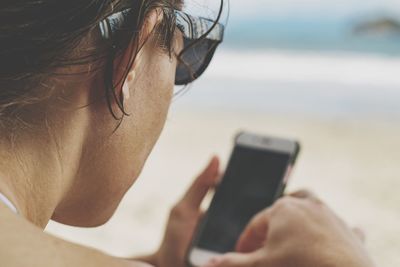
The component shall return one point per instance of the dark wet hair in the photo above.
(39, 37)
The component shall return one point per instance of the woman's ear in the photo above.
(148, 28)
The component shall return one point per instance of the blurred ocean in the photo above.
(306, 58)
(310, 34)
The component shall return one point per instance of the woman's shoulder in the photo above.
(24, 244)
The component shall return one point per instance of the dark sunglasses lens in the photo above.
(194, 60)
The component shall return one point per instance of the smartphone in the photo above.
(256, 176)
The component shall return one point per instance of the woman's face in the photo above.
(111, 162)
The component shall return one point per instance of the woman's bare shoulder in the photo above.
(24, 244)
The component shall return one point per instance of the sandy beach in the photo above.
(352, 165)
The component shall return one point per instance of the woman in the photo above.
(85, 87)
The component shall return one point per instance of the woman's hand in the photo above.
(184, 218)
(298, 231)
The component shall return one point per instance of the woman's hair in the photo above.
(40, 37)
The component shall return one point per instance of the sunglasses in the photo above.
(201, 37)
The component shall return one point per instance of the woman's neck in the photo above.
(38, 168)
(37, 172)
(29, 181)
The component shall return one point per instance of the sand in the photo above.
(352, 164)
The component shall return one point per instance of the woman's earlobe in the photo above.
(126, 91)
(129, 80)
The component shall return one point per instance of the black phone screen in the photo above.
(251, 183)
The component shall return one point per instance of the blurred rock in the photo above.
(381, 27)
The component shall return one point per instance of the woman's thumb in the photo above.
(233, 260)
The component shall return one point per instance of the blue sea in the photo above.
(308, 34)
(302, 58)
(317, 25)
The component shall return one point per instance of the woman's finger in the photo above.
(235, 260)
(255, 234)
(203, 183)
